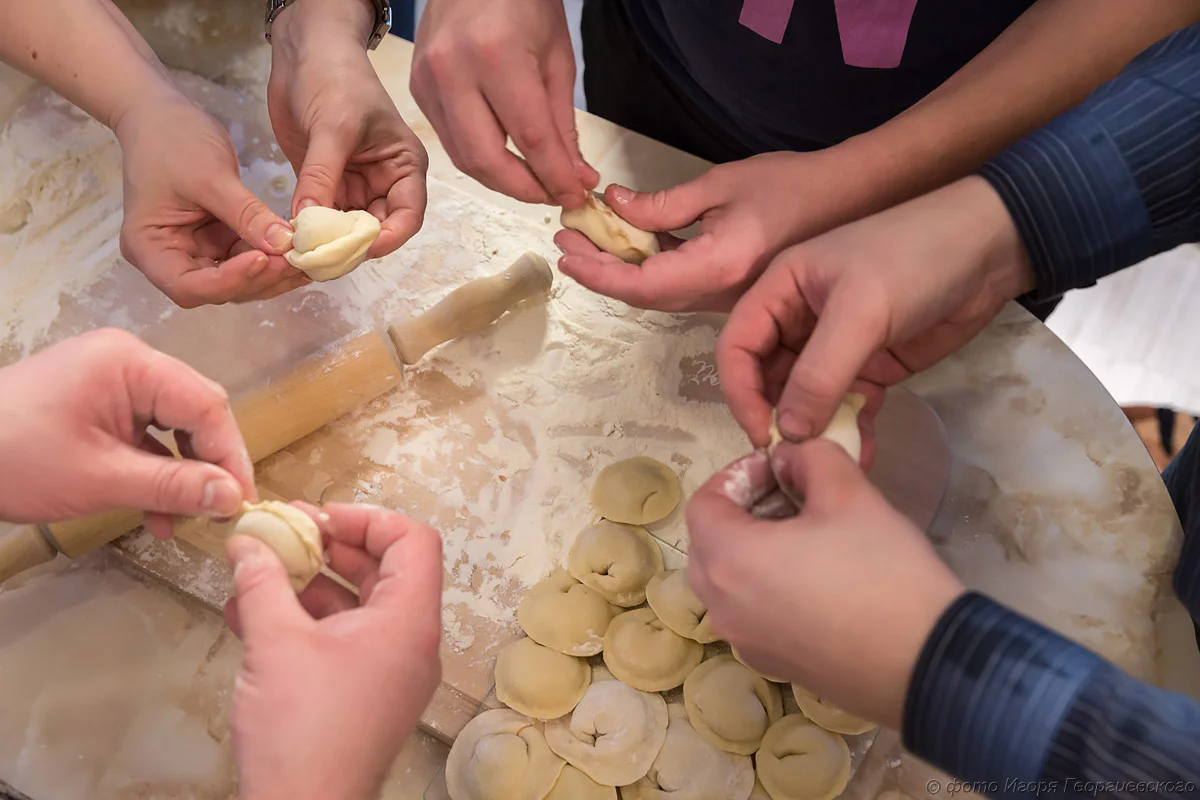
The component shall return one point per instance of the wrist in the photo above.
(121, 121)
(1009, 271)
(316, 25)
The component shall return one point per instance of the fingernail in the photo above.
(279, 236)
(221, 498)
(305, 203)
(792, 427)
(621, 194)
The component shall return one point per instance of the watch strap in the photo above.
(383, 19)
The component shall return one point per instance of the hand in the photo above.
(748, 211)
(839, 599)
(336, 123)
(74, 438)
(330, 689)
(876, 301)
(191, 226)
(485, 70)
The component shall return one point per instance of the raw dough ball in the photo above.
(595, 220)
(540, 682)
(842, 429)
(644, 653)
(676, 604)
(730, 706)
(564, 615)
(575, 785)
(828, 716)
(288, 531)
(741, 661)
(616, 560)
(329, 243)
(800, 761)
(689, 768)
(501, 755)
(636, 491)
(613, 735)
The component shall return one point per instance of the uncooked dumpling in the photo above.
(613, 735)
(636, 491)
(575, 785)
(501, 755)
(616, 560)
(829, 716)
(540, 682)
(564, 615)
(595, 220)
(737, 657)
(329, 243)
(643, 652)
(843, 428)
(673, 600)
(730, 706)
(288, 531)
(759, 792)
(801, 761)
(689, 768)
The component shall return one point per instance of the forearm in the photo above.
(86, 51)
(324, 22)
(1046, 62)
(1000, 701)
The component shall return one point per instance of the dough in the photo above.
(739, 659)
(595, 220)
(828, 716)
(842, 429)
(731, 706)
(616, 560)
(759, 792)
(540, 682)
(676, 605)
(689, 768)
(501, 755)
(329, 243)
(800, 761)
(575, 785)
(288, 531)
(643, 652)
(636, 491)
(613, 735)
(564, 615)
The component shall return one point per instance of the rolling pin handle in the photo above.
(25, 547)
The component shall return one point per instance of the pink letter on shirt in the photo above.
(873, 32)
(767, 18)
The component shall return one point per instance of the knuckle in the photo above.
(530, 138)
(477, 163)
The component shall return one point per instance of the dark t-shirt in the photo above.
(806, 74)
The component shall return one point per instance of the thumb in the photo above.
(726, 498)
(179, 486)
(820, 472)
(231, 202)
(664, 210)
(265, 600)
(321, 171)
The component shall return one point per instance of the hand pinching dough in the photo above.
(829, 716)
(329, 243)
(575, 785)
(737, 657)
(288, 531)
(676, 604)
(643, 652)
(616, 560)
(595, 220)
(501, 755)
(730, 706)
(636, 491)
(564, 615)
(842, 429)
(613, 735)
(689, 768)
(540, 682)
(800, 761)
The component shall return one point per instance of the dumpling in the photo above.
(575, 785)
(643, 652)
(737, 657)
(564, 615)
(540, 682)
(673, 600)
(616, 560)
(827, 715)
(801, 761)
(636, 491)
(730, 706)
(289, 532)
(501, 755)
(329, 243)
(612, 234)
(690, 768)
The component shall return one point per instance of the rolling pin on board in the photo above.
(317, 391)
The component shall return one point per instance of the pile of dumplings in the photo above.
(578, 730)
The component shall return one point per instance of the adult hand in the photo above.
(839, 599)
(191, 225)
(74, 437)
(748, 211)
(876, 301)
(486, 70)
(331, 685)
(336, 123)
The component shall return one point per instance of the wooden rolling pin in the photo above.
(317, 391)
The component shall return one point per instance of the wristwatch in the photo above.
(383, 19)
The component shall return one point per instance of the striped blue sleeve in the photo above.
(1017, 711)
(1115, 181)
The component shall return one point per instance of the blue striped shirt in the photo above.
(996, 699)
